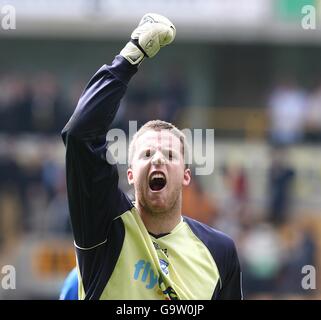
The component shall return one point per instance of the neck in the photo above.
(160, 222)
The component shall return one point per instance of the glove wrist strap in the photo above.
(132, 53)
(136, 43)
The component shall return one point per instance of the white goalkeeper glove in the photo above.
(153, 32)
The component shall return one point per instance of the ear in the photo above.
(130, 176)
(187, 177)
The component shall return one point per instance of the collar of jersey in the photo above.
(176, 229)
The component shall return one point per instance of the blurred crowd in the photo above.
(294, 113)
(273, 247)
(32, 104)
(40, 103)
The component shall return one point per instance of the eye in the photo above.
(147, 153)
(171, 155)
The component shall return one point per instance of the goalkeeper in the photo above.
(146, 249)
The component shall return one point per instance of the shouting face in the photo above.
(158, 171)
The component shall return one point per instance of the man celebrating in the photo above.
(146, 250)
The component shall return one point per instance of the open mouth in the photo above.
(157, 181)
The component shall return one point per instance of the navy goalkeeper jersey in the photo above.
(117, 258)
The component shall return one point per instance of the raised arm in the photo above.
(92, 183)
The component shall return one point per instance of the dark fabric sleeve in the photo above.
(231, 286)
(92, 183)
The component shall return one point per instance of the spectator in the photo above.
(313, 119)
(287, 109)
(197, 204)
(261, 255)
(280, 178)
(300, 249)
(174, 95)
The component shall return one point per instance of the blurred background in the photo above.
(249, 69)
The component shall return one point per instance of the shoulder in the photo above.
(223, 251)
(219, 244)
(211, 237)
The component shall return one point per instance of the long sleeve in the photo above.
(232, 279)
(92, 183)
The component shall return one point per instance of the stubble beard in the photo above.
(172, 204)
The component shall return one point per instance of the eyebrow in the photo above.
(153, 147)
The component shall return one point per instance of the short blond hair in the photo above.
(158, 125)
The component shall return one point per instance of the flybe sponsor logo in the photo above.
(144, 273)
